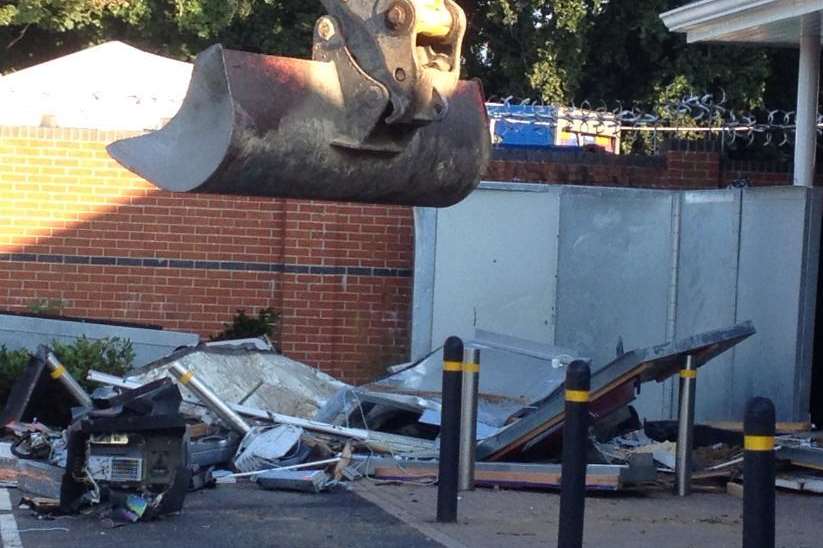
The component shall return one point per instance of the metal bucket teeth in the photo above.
(262, 125)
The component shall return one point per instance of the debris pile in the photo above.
(214, 414)
(124, 455)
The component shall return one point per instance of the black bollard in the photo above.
(758, 474)
(450, 431)
(573, 475)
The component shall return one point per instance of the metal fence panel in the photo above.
(771, 261)
(495, 262)
(707, 288)
(581, 267)
(808, 302)
(615, 275)
(425, 240)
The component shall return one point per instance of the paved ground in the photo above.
(403, 516)
(517, 519)
(229, 516)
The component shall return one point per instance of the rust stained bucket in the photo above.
(264, 125)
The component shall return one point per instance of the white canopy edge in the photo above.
(750, 21)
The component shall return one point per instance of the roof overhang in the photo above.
(774, 22)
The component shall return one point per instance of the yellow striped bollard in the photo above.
(758, 474)
(573, 475)
(450, 431)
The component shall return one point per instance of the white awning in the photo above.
(774, 22)
(112, 86)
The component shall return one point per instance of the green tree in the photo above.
(632, 56)
(32, 31)
(553, 50)
(529, 48)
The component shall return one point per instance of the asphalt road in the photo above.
(229, 516)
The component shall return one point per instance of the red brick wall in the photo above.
(674, 169)
(75, 226)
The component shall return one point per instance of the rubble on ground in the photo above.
(239, 411)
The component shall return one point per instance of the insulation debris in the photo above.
(234, 373)
(266, 447)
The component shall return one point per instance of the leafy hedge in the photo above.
(109, 355)
(244, 326)
(12, 363)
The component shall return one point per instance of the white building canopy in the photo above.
(774, 22)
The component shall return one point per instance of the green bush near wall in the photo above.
(12, 363)
(109, 355)
(243, 326)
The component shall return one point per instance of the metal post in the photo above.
(58, 372)
(808, 82)
(450, 431)
(209, 399)
(468, 418)
(573, 474)
(685, 427)
(758, 474)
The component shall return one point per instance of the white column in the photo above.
(808, 88)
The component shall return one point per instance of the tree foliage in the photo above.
(530, 47)
(32, 31)
(552, 50)
(631, 53)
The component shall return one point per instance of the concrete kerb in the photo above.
(371, 493)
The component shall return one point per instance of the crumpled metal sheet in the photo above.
(307, 481)
(514, 374)
(288, 386)
(612, 386)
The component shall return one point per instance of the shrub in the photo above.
(109, 355)
(49, 307)
(243, 326)
(12, 363)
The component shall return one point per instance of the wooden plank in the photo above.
(198, 430)
(809, 465)
(534, 476)
(8, 470)
(780, 427)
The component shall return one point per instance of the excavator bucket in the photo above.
(267, 126)
(320, 129)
